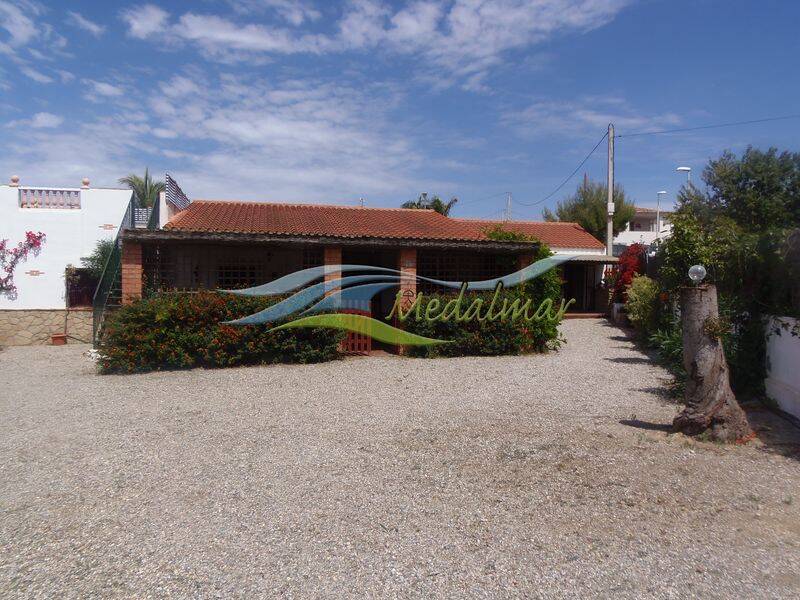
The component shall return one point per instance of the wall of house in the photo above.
(71, 233)
(35, 327)
(783, 358)
(642, 230)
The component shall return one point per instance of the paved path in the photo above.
(382, 477)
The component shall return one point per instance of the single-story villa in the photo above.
(206, 244)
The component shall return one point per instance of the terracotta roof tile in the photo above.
(554, 234)
(355, 222)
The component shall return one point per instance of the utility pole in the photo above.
(508, 206)
(610, 206)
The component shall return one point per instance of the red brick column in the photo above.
(131, 272)
(332, 255)
(408, 266)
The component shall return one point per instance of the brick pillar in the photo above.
(131, 271)
(332, 255)
(408, 266)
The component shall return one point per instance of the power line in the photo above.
(733, 124)
(570, 176)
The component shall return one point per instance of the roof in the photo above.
(555, 234)
(315, 220)
(644, 210)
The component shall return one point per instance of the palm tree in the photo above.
(435, 203)
(145, 189)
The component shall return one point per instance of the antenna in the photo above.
(361, 201)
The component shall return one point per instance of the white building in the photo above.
(74, 220)
(646, 227)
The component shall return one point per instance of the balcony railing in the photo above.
(49, 198)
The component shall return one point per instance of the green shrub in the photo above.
(494, 338)
(182, 331)
(487, 338)
(668, 342)
(643, 305)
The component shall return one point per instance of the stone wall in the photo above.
(35, 327)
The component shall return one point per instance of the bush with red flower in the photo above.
(182, 331)
(11, 256)
(631, 263)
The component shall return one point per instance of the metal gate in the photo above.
(357, 343)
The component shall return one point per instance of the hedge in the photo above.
(491, 338)
(182, 331)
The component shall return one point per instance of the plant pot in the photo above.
(59, 339)
(618, 313)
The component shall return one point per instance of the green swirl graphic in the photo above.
(375, 329)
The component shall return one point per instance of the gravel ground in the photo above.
(382, 477)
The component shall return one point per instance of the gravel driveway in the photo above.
(380, 477)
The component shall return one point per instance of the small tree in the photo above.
(589, 206)
(96, 261)
(434, 203)
(145, 189)
(10, 257)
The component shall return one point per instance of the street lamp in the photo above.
(658, 212)
(688, 171)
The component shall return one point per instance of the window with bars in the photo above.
(239, 274)
(453, 266)
(312, 257)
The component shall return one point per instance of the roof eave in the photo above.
(172, 235)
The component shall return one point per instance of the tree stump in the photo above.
(710, 403)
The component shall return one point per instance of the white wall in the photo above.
(71, 234)
(783, 356)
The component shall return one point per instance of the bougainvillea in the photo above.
(10, 257)
(631, 263)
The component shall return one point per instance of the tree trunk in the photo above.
(710, 403)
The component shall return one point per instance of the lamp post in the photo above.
(688, 171)
(658, 212)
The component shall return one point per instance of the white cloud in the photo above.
(27, 40)
(41, 120)
(584, 115)
(298, 140)
(37, 76)
(45, 120)
(65, 76)
(145, 20)
(295, 12)
(179, 86)
(82, 22)
(15, 19)
(215, 34)
(459, 41)
(103, 88)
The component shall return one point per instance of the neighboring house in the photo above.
(228, 244)
(646, 227)
(74, 220)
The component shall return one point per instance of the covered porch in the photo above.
(163, 260)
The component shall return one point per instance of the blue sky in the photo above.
(312, 101)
